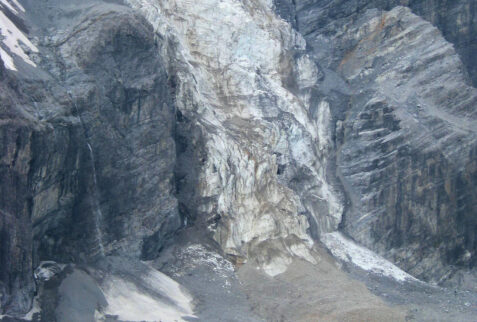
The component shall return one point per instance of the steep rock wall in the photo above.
(126, 125)
(16, 280)
(88, 144)
(456, 19)
(409, 142)
(252, 123)
(408, 135)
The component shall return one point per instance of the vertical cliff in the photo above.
(87, 145)
(406, 142)
(251, 123)
(16, 279)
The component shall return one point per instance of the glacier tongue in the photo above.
(245, 95)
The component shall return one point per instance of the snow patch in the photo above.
(19, 6)
(130, 303)
(348, 251)
(13, 38)
(7, 4)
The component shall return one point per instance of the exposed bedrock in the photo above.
(253, 131)
(16, 279)
(115, 89)
(409, 144)
(406, 144)
(87, 145)
(456, 19)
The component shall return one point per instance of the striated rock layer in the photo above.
(409, 145)
(457, 20)
(406, 143)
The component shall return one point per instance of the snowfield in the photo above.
(348, 251)
(12, 38)
(165, 301)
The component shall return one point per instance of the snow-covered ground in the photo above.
(348, 251)
(165, 300)
(12, 38)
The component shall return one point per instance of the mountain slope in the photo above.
(221, 144)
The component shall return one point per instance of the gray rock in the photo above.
(407, 159)
(79, 298)
(88, 144)
(455, 18)
(406, 142)
(16, 279)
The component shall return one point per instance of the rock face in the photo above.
(458, 22)
(124, 121)
(119, 89)
(409, 144)
(253, 133)
(406, 144)
(16, 278)
(456, 19)
(88, 146)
